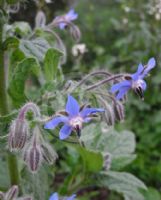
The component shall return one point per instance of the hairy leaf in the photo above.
(124, 183)
(10, 42)
(36, 47)
(151, 194)
(17, 84)
(92, 160)
(36, 184)
(51, 64)
(120, 145)
(4, 176)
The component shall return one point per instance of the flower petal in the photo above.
(118, 86)
(54, 196)
(72, 106)
(88, 111)
(71, 197)
(136, 75)
(62, 25)
(72, 15)
(65, 131)
(151, 64)
(122, 92)
(143, 85)
(55, 121)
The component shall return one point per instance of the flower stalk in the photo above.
(4, 110)
(111, 78)
(102, 73)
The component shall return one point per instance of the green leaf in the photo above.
(12, 1)
(125, 178)
(37, 48)
(120, 161)
(17, 84)
(123, 183)
(21, 28)
(4, 176)
(120, 145)
(36, 184)
(93, 161)
(16, 57)
(10, 42)
(152, 194)
(51, 64)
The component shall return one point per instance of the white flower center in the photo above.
(76, 122)
(137, 84)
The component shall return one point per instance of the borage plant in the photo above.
(33, 91)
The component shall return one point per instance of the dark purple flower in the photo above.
(67, 18)
(134, 81)
(56, 197)
(74, 120)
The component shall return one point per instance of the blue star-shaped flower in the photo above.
(70, 16)
(74, 120)
(134, 81)
(56, 197)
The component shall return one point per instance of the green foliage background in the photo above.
(118, 34)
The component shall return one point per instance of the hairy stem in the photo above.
(111, 78)
(4, 110)
(90, 75)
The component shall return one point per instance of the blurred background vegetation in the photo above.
(119, 34)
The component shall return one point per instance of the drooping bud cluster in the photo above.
(75, 32)
(19, 129)
(37, 151)
(32, 152)
(48, 153)
(113, 111)
(119, 110)
(29, 141)
(12, 194)
(18, 134)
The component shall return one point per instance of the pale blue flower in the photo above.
(67, 18)
(135, 81)
(55, 196)
(75, 119)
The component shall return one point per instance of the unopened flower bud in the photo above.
(107, 161)
(12, 193)
(48, 153)
(40, 19)
(18, 134)
(109, 115)
(75, 32)
(32, 152)
(33, 158)
(119, 111)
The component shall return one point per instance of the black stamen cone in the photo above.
(78, 130)
(139, 92)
